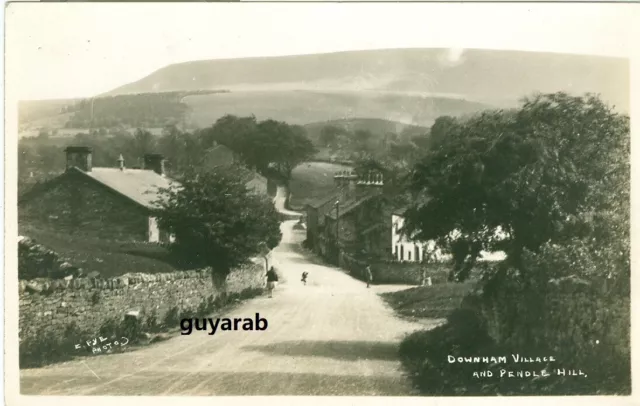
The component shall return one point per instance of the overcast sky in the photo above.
(64, 50)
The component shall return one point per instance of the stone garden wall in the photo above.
(50, 306)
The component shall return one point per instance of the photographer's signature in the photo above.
(97, 345)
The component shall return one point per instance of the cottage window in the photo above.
(409, 255)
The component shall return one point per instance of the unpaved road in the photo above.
(279, 200)
(331, 337)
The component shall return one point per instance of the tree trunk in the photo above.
(219, 280)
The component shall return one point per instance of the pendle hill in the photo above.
(404, 86)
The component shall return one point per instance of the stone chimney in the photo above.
(351, 180)
(154, 162)
(345, 181)
(121, 162)
(369, 182)
(79, 157)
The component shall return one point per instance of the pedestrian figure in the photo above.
(272, 280)
(369, 275)
(304, 277)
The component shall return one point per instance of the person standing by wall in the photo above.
(369, 275)
(272, 281)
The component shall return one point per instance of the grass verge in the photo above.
(436, 301)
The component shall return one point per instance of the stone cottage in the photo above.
(221, 156)
(353, 219)
(115, 203)
(406, 249)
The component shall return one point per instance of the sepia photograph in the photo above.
(371, 200)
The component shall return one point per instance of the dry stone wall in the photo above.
(37, 261)
(49, 306)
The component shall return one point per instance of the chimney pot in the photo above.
(79, 157)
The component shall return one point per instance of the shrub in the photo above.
(110, 328)
(424, 354)
(131, 328)
(171, 317)
(151, 322)
(47, 348)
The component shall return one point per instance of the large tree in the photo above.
(217, 221)
(440, 129)
(237, 133)
(267, 145)
(284, 146)
(539, 173)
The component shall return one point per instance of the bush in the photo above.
(171, 318)
(131, 328)
(47, 348)
(109, 328)
(151, 322)
(424, 355)
(581, 325)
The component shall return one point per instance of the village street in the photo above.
(331, 337)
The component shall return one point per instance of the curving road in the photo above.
(331, 337)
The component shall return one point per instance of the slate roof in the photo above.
(348, 206)
(373, 228)
(321, 201)
(139, 185)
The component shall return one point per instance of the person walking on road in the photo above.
(369, 275)
(304, 277)
(272, 280)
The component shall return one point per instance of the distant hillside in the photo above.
(487, 76)
(304, 106)
(408, 86)
(146, 110)
(43, 113)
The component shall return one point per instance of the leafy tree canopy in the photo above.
(263, 145)
(217, 221)
(542, 174)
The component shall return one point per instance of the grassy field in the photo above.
(436, 301)
(110, 258)
(312, 180)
